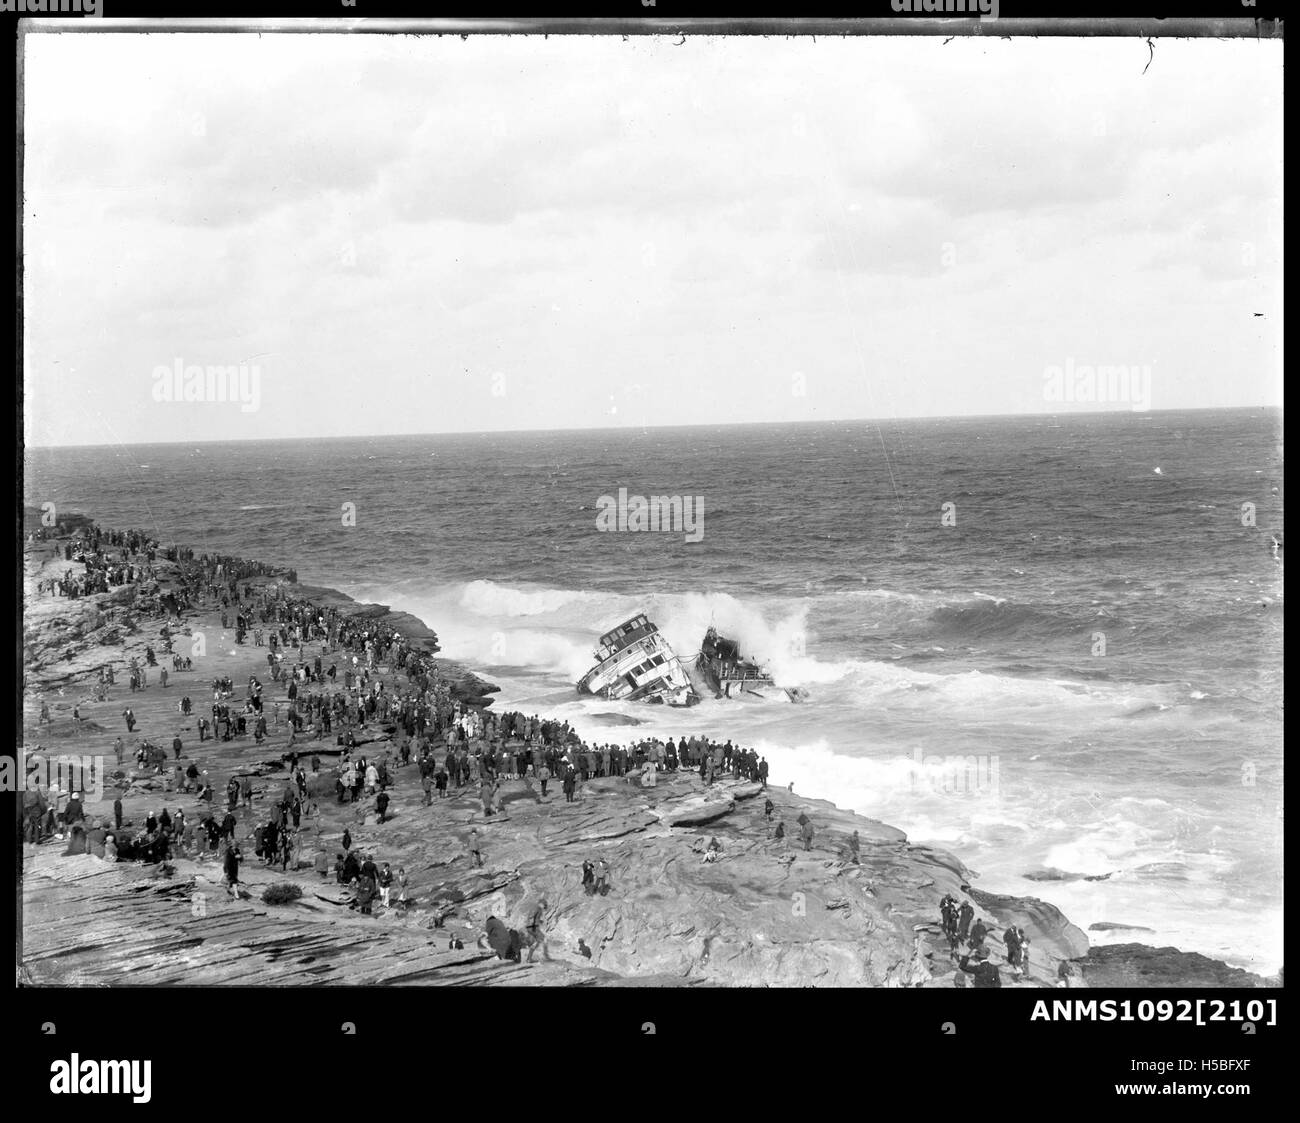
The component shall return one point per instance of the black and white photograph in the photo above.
(672, 511)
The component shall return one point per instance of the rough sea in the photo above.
(1075, 685)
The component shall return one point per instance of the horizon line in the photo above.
(1125, 411)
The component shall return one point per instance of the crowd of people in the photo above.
(963, 928)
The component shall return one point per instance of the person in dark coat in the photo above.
(502, 940)
(381, 805)
(985, 973)
(365, 894)
(270, 843)
(232, 860)
(964, 916)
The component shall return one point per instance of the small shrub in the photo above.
(281, 893)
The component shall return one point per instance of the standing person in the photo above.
(401, 885)
(964, 916)
(117, 814)
(129, 715)
(1011, 938)
(426, 782)
(535, 937)
(602, 877)
(385, 884)
(365, 893)
(570, 783)
(806, 830)
(117, 749)
(544, 774)
(232, 860)
(474, 846)
(977, 933)
(381, 805)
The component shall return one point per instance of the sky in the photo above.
(400, 234)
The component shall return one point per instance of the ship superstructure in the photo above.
(635, 663)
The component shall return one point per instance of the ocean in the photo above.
(1052, 645)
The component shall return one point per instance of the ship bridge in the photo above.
(624, 635)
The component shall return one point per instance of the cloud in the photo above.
(391, 220)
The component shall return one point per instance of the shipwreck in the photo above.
(635, 663)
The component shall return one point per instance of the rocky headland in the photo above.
(760, 911)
